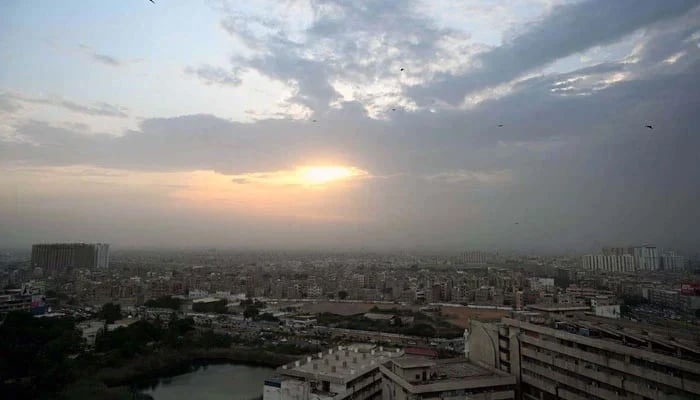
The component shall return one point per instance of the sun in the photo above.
(322, 175)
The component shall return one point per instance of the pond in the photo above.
(213, 382)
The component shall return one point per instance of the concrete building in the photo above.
(615, 251)
(608, 263)
(342, 373)
(646, 258)
(90, 330)
(668, 298)
(672, 261)
(59, 257)
(538, 284)
(476, 257)
(577, 358)
(14, 300)
(413, 378)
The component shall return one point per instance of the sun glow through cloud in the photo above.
(322, 175)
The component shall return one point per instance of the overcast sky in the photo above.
(192, 123)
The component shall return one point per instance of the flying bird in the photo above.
(393, 109)
(500, 125)
(649, 126)
(314, 121)
(517, 223)
(401, 69)
(152, 1)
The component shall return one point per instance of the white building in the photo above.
(609, 263)
(350, 372)
(606, 311)
(646, 258)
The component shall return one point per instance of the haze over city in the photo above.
(354, 125)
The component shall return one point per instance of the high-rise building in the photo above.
(646, 258)
(615, 251)
(58, 257)
(608, 263)
(672, 261)
(476, 257)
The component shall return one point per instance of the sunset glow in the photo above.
(322, 175)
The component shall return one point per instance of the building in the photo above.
(664, 297)
(476, 257)
(608, 263)
(413, 378)
(14, 300)
(615, 251)
(59, 257)
(585, 357)
(350, 372)
(672, 261)
(646, 258)
(90, 330)
(538, 284)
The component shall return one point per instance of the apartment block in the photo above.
(577, 358)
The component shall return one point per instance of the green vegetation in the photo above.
(165, 302)
(110, 312)
(218, 307)
(43, 358)
(250, 312)
(34, 355)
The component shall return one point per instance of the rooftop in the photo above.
(341, 364)
(445, 369)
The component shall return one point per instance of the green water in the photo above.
(213, 382)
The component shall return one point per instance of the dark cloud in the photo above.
(573, 163)
(567, 30)
(215, 75)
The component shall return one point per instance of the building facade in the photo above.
(414, 378)
(608, 263)
(646, 258)
(582, 358)
(59, 257)
(350, 372)
(672, 261)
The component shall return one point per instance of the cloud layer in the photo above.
(468, 139)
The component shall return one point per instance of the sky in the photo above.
(443, 125)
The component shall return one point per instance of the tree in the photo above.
(165, 302)
(250, 312)
(342, 295)
(110, 312)
(213, 306)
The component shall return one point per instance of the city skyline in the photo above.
(372, 125)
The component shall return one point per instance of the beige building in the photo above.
(555, 357)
